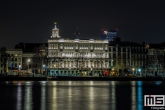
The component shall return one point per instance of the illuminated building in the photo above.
(77, 56)
(15, 59)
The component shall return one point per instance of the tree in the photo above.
(4, 59)
(40, 56)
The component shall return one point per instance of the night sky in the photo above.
(33, 21)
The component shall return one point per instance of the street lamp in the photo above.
(43, 66)
(139, 71)
(28, 63)
(133, 70)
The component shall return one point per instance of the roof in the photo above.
(29, 47)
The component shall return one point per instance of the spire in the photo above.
(77, 34)
(55, 25)
(55, 32)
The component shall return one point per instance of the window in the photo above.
(19, 60)
(106, 56)
(124, 49)
(76, 46)
(61, 46)
(106, 47)
(114, 49)
(109, 48)
(15, 64)
(114, 55)
(132, 49)
(119, 49)
(91, 47)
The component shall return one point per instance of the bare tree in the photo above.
(4, 59)
(40, 56)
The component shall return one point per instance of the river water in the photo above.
(77, 95)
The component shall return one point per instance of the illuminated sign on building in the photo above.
(109, 35)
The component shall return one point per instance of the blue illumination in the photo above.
(139, 96)
(11, 64)
(158, 82)
(139, 70)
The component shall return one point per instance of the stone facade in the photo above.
(77, 56)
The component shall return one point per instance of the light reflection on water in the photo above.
(82, 95)
(140, 95)
(19, 98)
(43, 96)
(113, 95)
(133, 95)
(28, 104)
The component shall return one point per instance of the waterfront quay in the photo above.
(79, 78)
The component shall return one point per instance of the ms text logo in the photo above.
(154, 100)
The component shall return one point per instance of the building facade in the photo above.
(15, 59)
(138, 58)
(156, 59)
(77, 57)
(10, 59)
(34, 57)
(119, 57)
(84, 57)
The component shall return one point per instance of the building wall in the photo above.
(78, 54)
(15, 60)
(156, 61)
(119, 57)
(72, 56)
(138, 58)
(12, 59)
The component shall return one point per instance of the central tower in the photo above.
(55, 32)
